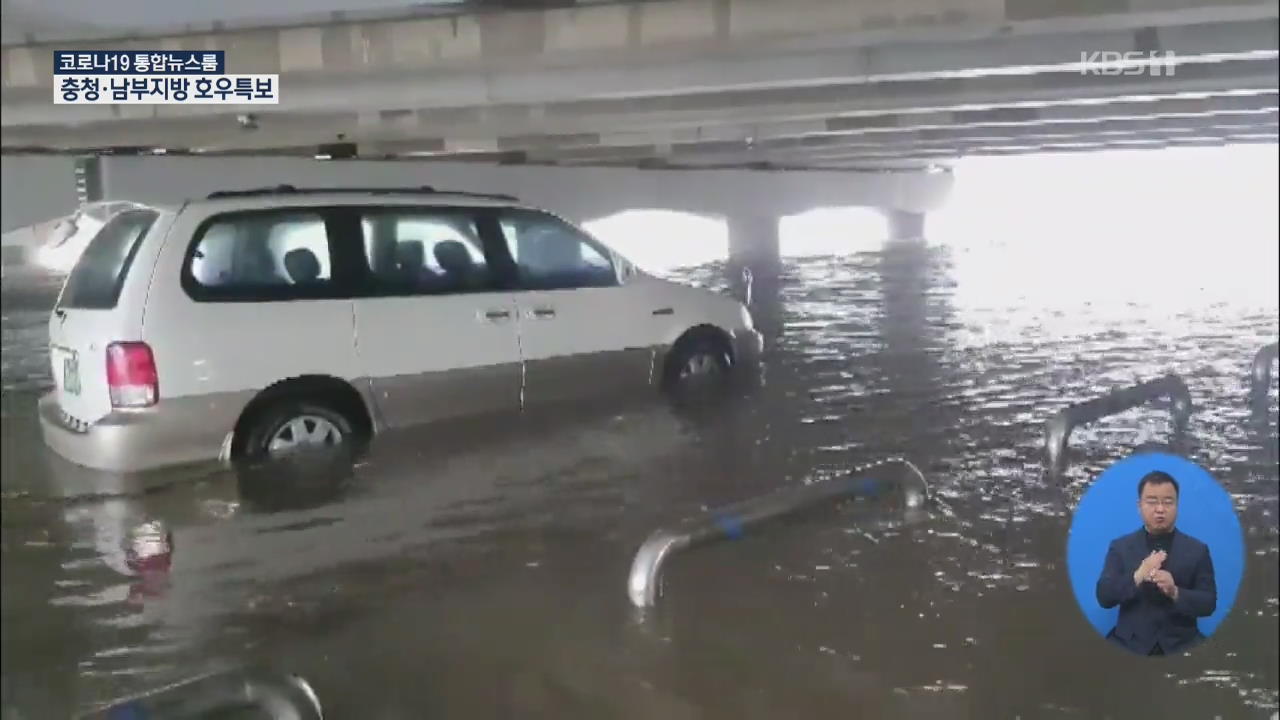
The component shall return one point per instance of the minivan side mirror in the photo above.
(626, 271)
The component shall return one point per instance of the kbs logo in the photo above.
(1134, 62)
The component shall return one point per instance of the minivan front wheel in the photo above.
(699, 366)
(705, 365)
(295, 426)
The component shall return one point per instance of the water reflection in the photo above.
(304, 482)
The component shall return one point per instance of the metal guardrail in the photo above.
(1260, 375)
(1058, 429)
(644, 585)
(274, 696)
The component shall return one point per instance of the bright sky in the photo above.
(1189, 225)
(658, 240)
(1186, 226)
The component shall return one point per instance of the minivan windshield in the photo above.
(99, 274)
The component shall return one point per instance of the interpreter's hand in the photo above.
(1149, 566)
(1164, 581)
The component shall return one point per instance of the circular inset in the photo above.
(1155, 568)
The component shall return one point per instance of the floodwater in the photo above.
(478, 571)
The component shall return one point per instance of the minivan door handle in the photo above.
(543, 312)
(496, 315)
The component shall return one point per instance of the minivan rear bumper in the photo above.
(172, 432)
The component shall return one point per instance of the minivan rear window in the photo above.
(99, 275)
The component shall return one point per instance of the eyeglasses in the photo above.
(1159, 502)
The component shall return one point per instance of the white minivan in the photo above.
(251, 323)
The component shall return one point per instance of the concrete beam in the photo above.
(740, 70)
(847, 164)
(924, 137)
(342, 42)
(799, 151)
(787, 134)
(765, 133)
(958, 137)
(943, 158)
(953, 154)
(579, 193)
(1163, 106)
(1050, 95)
(1044, 90)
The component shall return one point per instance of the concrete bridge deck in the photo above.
(697, 83)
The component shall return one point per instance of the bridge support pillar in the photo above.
(753, 244)
(905, 226)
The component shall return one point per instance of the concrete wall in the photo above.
(577, 193)
(35, 188)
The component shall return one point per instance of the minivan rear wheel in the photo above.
(295, 426)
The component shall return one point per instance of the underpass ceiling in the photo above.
(29, 21)
(888, 106)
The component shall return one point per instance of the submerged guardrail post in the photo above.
(1260, 376)
(277, 696)
(1058, 429)
(644, 584)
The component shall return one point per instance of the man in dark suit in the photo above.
(1162, 579)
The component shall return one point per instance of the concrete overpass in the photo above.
(697, 83)
(862, 103)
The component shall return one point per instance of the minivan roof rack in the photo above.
(292, 190)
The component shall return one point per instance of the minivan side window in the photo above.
(425, 251)
(261, 256)
(98, 276)
(551, 254)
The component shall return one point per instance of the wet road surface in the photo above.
(478, 571)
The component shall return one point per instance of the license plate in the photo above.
(71, 374)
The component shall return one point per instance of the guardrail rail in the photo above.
(644, 584)
(1059, 428)
(274, 695)
(1260, 376)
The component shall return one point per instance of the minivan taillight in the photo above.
(131, 375)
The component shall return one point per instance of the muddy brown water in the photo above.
(478, 570)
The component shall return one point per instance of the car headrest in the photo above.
(453, 256)
(410, 254)
(302, 266)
